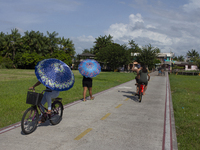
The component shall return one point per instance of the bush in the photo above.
(178, 67)
(6, 63)
(27, 60)
(61, 55)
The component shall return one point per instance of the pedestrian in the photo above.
(87, 84)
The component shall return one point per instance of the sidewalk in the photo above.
(115, 120)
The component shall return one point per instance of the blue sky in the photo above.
(167, 24)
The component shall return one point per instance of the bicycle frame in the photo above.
(43, 112)
(45, 109)
(141, 88)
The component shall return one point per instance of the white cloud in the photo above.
(192, 5)
(83, 42)
(177, 36)
(136, 29)
(84, 38)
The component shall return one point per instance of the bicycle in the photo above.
(31, 115)
(140, 92)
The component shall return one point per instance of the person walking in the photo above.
(87, 84)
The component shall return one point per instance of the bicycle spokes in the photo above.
(29, 120)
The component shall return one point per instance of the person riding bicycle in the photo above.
(144, 77)
(47, 97)
(136, 68)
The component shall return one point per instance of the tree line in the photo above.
(18, 51)
(192, 56)
(25, 51)
(115, 55)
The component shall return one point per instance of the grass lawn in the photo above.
(14, 84)
(186, 103)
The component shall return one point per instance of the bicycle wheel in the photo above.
(29, 120)
(140, 97)
(57, 112)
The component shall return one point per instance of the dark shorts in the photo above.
(87, 84)
(140, 82)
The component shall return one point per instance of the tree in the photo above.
(197, 62)
(67, 46)
(134, 47)
(27, 50)
(102, 42)
(114, 55)
(15, 39)
(180, 58)
(2, 38)
(192, 54)
(91, 51)
(147, 56)
(35, 42)
(27, 60)
(7, 47)
(61, 55)
(85, 51)
(53, 40)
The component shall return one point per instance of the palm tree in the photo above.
(193, 54)
(53, 41)
(2, 38)
(101, 42)
(15, 38)
(67, 46)
(7, 47)
(134, 47)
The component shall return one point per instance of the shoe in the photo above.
(92, 98)
(49, 112)
(42, 120)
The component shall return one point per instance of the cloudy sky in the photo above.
(171, 25)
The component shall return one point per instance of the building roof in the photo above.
(168, 54)
(87, 54)
(161, 55)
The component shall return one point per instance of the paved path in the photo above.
(115, 120)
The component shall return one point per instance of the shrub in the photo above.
(6, 63)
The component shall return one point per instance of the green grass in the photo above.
(14, 84)
(186, 102)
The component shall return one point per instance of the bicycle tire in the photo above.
(29, 120)
(140, 97)
(57, 112)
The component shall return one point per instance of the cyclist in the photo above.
(136, 68)
(144, 77)
(48, 95)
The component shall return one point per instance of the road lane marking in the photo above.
(108, 114)
(118, 106)
(126, 99)
(83, 134)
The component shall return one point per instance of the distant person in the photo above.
(87, 84)
(159, 71)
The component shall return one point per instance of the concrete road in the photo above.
(114, 120)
